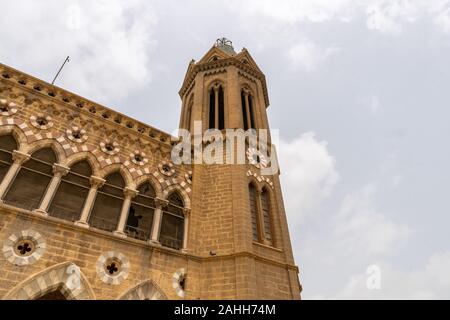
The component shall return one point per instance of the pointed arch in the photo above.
(123, 170)
(48, 143)
(84, 155)
(31, 182)
(65, 277)
(248, 106)
(253, 204)
(216, 104)
(108, 203)
(73, 189)
(188, 115)
(8, 143)
(146, 290)
(266, 214)
(18, 135)
(181, 192)
(174, 220)
(252, 180)
(153, 181)
(141, 212)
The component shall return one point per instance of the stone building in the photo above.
(93, 207)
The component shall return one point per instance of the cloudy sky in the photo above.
(359, 91)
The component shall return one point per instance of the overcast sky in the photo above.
(358, 89)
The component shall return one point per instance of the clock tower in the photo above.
(238, 221)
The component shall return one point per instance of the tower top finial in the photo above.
(225, 44)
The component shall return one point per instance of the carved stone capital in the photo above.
(161, 203)
(20, 157)
(187, 212)
(96, 182)
(60, 169)
(130, 193)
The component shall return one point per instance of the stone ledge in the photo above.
(26, 214)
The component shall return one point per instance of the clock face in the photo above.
(257, 158)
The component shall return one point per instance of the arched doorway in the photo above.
(146, 290)
(63, 281)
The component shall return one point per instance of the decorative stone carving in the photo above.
(109, 147)
(179, 282)
(41, 121)
(166, 168)
(7, 108)
(257, 158)
(138, 157)
(112, 267)
(24, 248)
(76, 134)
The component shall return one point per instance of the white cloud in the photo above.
(384, 16)
(109, 43)
(360, 229)
(388, 16)
(374, 104)
(303, 10)
(308, 56)
(308, 173)
(429, 282)
(441, 12)
(346, 241)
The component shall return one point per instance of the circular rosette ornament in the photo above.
(257, 158)
(139, 158)
(112, 267)
(179, 282)
(41, 121)
(77, 134)
(7, 108)
(24, 248)
(109, 147)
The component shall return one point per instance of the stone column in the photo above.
(18, 159)
(157, 218)
(187, 212)
(96, 183)
(129, 194)
(58, 172)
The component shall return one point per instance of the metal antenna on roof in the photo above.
(67, 60)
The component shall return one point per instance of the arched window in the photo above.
(265, 208)
(108, 204)
(7, 145)
(247, 110)
(260, 214)
(140, 215)
(221, 124)
(172, 224)
(212, 109)
(68, 201)
(32, 180)
(253, 197)
(216, 108)
(244, 111)
(250, 107)
(189, 113)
